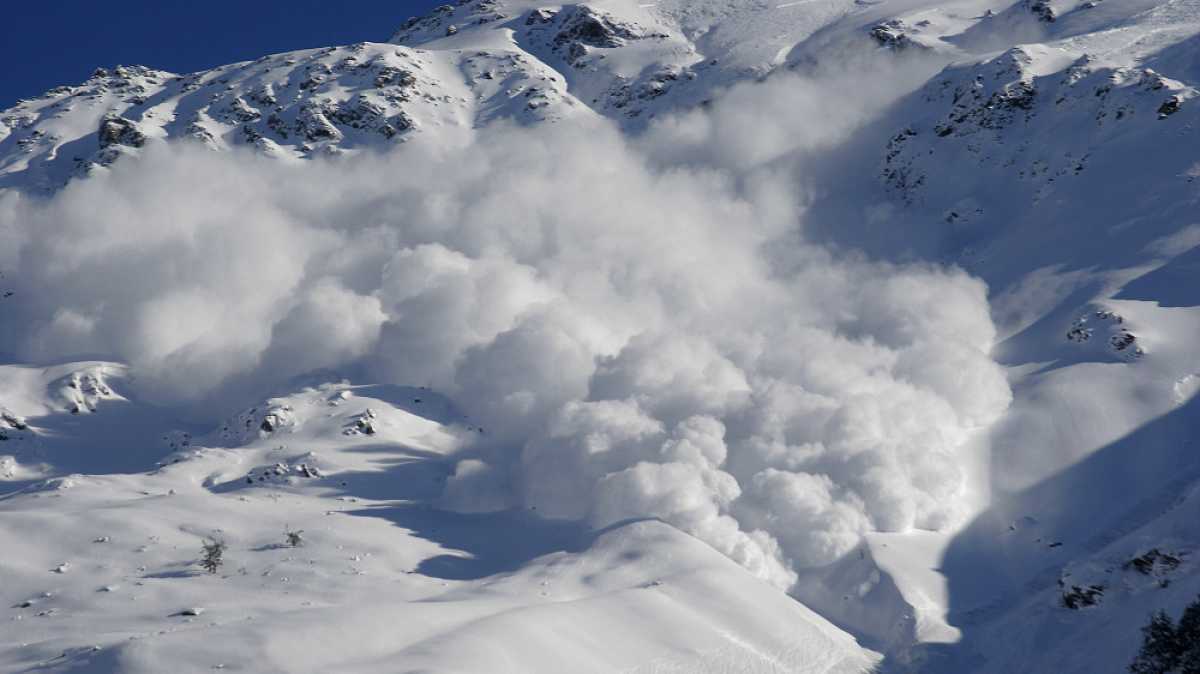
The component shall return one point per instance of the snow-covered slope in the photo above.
(293, 105)
(1060, 170)
(463, 66)
(381, 580)
(1046, 147)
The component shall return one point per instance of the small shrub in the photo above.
(213, 555)
(295, 538)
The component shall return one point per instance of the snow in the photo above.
(688, 297)
(381, 578)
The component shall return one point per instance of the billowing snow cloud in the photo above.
(639, 339)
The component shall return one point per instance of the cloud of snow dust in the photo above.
(639, 339)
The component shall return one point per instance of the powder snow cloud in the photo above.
(640, 338)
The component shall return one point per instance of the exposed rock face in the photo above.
(116, 130)
(1041, 9)
(1170, 107)
(1154, 562)
(388, 76)
(582, 25)
(362, 112)
(576, 31)
(448, 20)
(313, 125)
(893, 35)
(241, 111)
(1075, 597)
(626, 95)
(583, 39)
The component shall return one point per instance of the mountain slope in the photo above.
(1043, 146)
(380, 579)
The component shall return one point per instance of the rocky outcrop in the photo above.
(1041, 9)
(362, 112)
(575, 32)
(81, 392)
(583, 25)
(283, 473)
(448, 20)
(11, 424)
(894, 35)
(363, 424)
(257, 422)
(986, 115)
(313, 125)
(116, 130)
(290, 105)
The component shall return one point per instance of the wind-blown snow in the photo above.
(636, 341)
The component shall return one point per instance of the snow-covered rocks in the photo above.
(894, 35)
(11, 423)
(577, 29)
(276, 416)
(82, 391)
(1115, 332)
(283, 473)
(1155, 563)
(295, 105)
(362, 424)
(1042, 9)
(1087, 583)
(116, 130)
(438, 22)
(1001, 115)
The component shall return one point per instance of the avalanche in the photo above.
(690, 336)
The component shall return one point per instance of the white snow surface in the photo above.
(105, 577)
(678, 336)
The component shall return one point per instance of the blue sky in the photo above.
(45, 43)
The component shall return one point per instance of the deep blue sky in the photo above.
(45, 43)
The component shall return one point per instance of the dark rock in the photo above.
(891, 35)
(1170, 107)
(1042, 10)
(1152, 561)
(1077, 597)
(116, 130)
